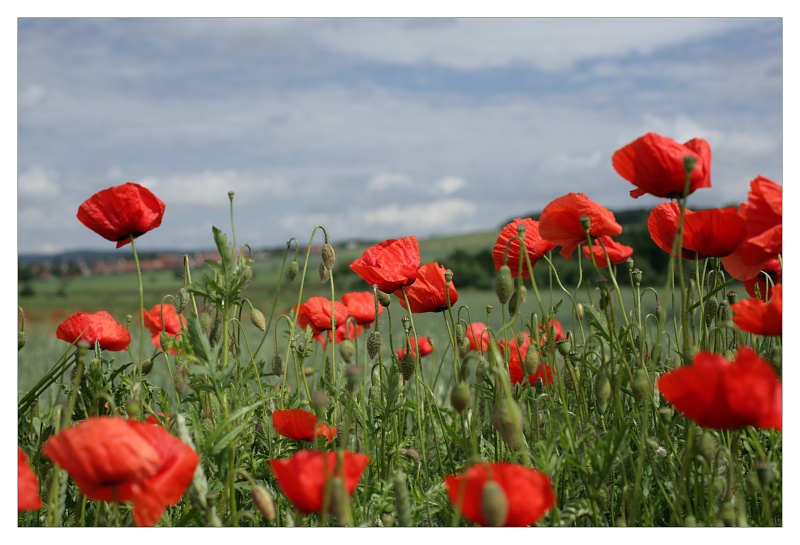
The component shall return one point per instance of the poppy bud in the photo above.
(328, 256)
(347, 349)
(383, 298)
(464, 348)
(764, 472)
(166, 341)
(308, 370)
(407, 366)
(257, 318)
(512, 303)
(507, 420)
(374, 344)
(277, 365)
(640, 384)
(504, 284)
(460, 397)
(181, 300)
(205, 321)
(531, 362)
(324, 272)
(132, 407)
(459, 334)
(586, 222)
(96, 369)
(665, 413)
(216, 331)
(181, 380)
(375, 396)
(353, 374)
(564, 346)
(579, 311)
(21, 340)
(712, 305)
(319, 399)
(706, 447)
(294, 268)
(724, 311)
(147, 366)
(494, 504)
(263, 501)
(387, 520)
(602, 391)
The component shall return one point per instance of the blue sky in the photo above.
(376, 128)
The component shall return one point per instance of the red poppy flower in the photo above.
(361, 306)
(707, 233)
(303, 476)
(300, 425)
(316, 312)
(763, 215)
(427, 293)
(535, 245)
(560, 221)
(114, 459)
(529, 492)
(655, 165)
(121, 212)
(172, 323)
(717, 393)
(772, 269)
(390, 264)
(755, 316)
(27, 485)
(425, 348)
(85, 329)
(478, 335)
(617, 253)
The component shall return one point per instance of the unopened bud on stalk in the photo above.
(727, 514)
(764, 472)
(181, 300)
(586, 222)
(277, 365)
(166, 341)
(712, 305)
(216, 331)
(602, 391)
(724, 311)
(132, 407)
(319, 399)
(579, 311)
(402, 502)
(665, 413)
(640, 384)
(504, 284)
(324, 272)
(338, 499)
(460, 397)
(147, 366)
(353, 375)
(661, 315)
(383, 298)
(181, 379)
(464, 348)
(205, 321)
(257, 318)
(328, 256)
(96, 369)
(706, 447)
(294, 269)
(407, 366)
(374, 344)
(459, 334)
(531, 362)
(347, 349)
(494, 504)
(507, 420)
(22, 338)
(262, 499)
(512, 303)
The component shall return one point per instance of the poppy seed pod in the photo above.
(504, 284)
(328, 256)
(294, 269)
(257, 318)
(494, 504)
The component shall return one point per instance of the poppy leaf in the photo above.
(225, 249)
(198, 340)
(214, 266)
(227, 439)
(597, 320)
(212, 444)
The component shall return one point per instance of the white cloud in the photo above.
(38, 183)
(450, 184)
(389, 181)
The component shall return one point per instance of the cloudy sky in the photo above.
(375, 128)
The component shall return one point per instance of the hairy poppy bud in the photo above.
(640, 384)
(338, 499)
(347, 349)
(277, 365)
(132, 406)
(459, 334)
(324, 272)
(294, 268)
(262, 499)
(507, 420)
(706, 447)
(407, 366)
(512, 303)
(494, 504)
(504, 284)
(205, 321)
(460, 397)
(319, 399)
(602, 391)
(374, 344)
(21, 340)
(166, 341)
(531, 362)
(464, 348)
(181, 300)
(383, 298)
(724, 311)
(147, 366)
(387, 520)
(353, 374)
(712, 305)
(328, 256)
(216, 330)
(257, 317)
(665, 413)
(402, 502)
(181, 379)
(96, 369)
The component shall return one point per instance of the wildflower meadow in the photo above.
(606, 401)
